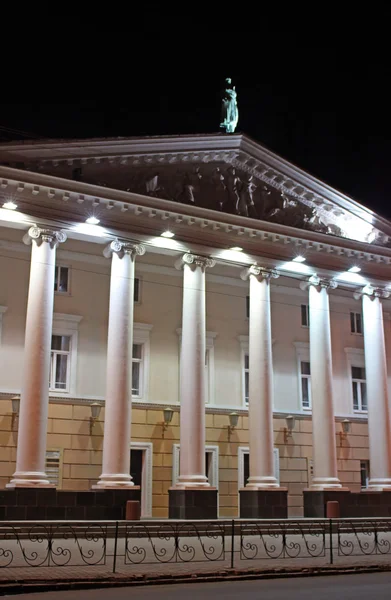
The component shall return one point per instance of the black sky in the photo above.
(324, 109)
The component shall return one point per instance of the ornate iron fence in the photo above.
(129, 544)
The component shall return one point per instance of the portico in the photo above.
(197, 280)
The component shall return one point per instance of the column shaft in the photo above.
(192, 374)
(260, 385)
(31, 450)
(379, 421)
(323, 423)
(118, 408)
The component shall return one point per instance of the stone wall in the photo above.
(81, 453)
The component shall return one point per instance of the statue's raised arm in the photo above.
(229, 108)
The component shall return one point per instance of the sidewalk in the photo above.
(29, 579)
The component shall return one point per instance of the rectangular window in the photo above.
(305, 374)
(247, 307)
(246, 377)
(356, 323)
(305, 315)
(359, 387)
(137, 368)
(61, 280)
(60, 363)
(52, 467)
(136, 295)
(364, 473)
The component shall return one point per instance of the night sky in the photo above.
(326, 111)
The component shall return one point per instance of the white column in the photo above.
(118, 405)
(34, 402)
(261, 475)
(323, 418)
(379, 419)
(192, 373)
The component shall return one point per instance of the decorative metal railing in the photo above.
(229, 543)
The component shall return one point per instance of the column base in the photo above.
(29, 479)
(192, 503)
(114, 482)
(379, 485)
(262, 483)
(315, 502)
(326, 483)
(269, 503)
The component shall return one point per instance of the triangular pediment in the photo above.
(227, 173)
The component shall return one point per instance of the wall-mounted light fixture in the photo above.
(15, 409)
(290, 424)
(95, 412)
(345, 430)
(233, 421)
(168, 413)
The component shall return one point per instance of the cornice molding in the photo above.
(72, 193)
(238, 150)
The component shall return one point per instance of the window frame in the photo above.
(306, 307)
(138, 301)
(53, 365)
(244, 351)
(359, 382)
(309, 388)
(141, 336)
(353, 322)
(303, 355)
(355, 357)
(67, 325)
(60, 266)
(140, 361)
(368, 473)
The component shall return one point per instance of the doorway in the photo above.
(141, 472)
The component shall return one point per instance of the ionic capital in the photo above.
(121, 248)
(373, 292)
(318, 282)
(259, 272)
(194, 259)
(48, 235)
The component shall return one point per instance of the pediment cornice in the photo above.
(335, 212)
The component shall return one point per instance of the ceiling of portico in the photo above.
(229, 174)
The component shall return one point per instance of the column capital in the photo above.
(194, 259)
(121, 248)
(45, 234)
(374, 292)
(319, 282)
(261, 272)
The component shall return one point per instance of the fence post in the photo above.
(232, 543)
(115, 547)
(331, 541)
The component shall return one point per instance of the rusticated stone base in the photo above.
(40, 504)
(192, 503)
(351, 504)
(263, 504)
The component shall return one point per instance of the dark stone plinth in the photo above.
(370, 504)
(192, 503)
(41, 504)
(263, 504)
(315, 502)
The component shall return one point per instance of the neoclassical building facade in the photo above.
(193, 316)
